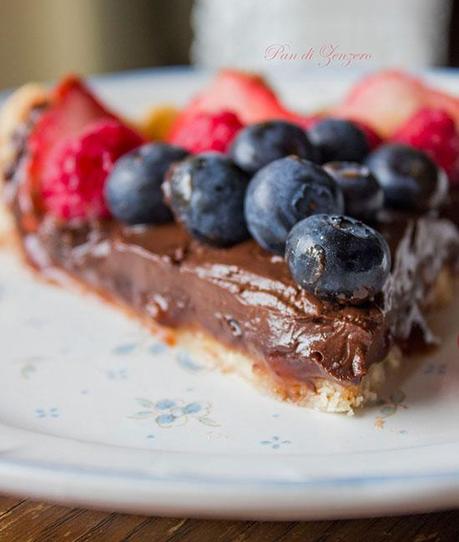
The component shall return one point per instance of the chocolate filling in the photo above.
(245, 298)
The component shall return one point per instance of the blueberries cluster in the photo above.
(299, 194)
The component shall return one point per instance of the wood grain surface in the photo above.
(27, 521)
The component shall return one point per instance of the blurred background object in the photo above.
(42, 39)
(411, 33)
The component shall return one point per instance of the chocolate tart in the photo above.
(239, 306)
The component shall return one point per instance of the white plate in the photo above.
(94, 411)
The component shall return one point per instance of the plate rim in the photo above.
(442, 485)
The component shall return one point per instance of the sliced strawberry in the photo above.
(72, 107)
(389, 98)
(383, 100)
(246, 95)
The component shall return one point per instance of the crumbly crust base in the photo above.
(325, 395)
(13, 114)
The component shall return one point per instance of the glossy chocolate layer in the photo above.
(245, 297)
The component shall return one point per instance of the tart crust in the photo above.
(15, 113)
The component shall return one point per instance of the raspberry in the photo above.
(207, 132)
(73, 181)
(434, 132)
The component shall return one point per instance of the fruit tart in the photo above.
(302, 252)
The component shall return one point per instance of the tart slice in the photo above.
(248, 256)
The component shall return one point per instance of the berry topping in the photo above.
(387, 99)
(383, 100)
(338, 258)
(72, 183)
(260, 144)
(247, 95)
(206, 193)
(62, 150)
(409, 178)
(71, 109)
(363, 196)
(207, 132)
(339, 139)
(133, 189)
(283, 193)
(434, 132)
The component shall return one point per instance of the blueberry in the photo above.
(363, 196)
(284, 192)
(409, 178)
(339, 140)
(338, 258)
(133, 189)
(206, 193)
(259, 144)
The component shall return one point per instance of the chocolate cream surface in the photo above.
(246, 299)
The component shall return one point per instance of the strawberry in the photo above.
(387, 99)
(207, 132)
(72, 185)
(434, 132)
(383, 100)
(71, 109)
(247, 96)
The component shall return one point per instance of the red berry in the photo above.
(207, 132)
(434, 132)
(247, 95)
(73, 180)
(383, 100)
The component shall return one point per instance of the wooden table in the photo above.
(27, 521)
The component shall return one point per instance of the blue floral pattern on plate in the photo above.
(275, 442)
(52, 412)
(187, 362)
(169, 413)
